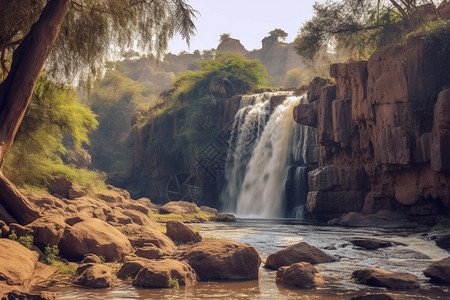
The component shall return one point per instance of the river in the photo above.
(412, 253)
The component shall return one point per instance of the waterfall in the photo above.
(267, 158)
(248, 125)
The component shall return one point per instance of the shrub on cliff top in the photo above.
(188, 120)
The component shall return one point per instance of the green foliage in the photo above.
(187, 122)
(436, 37)
(91, 29)
(25, 240)
(296, 78)
(53, 114)
(51, 254)
(114, 99)
(358, 26)
(275, 36)
(52, 258)
(174, 283)
(102, 259)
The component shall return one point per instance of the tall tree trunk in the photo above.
(15, 95)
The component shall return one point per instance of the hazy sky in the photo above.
(246, 20)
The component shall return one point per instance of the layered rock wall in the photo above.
(384, 135)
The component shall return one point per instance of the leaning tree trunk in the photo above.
(15, 95)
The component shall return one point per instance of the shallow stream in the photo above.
(413, 253)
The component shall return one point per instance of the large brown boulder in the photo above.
(141, 236)
(388, 279)
(302, 275)
(223, 260)
(164, 274)
(93, 236)
(17, 263)
(97, 276)
(301, 252)
(182, 233)
(439, 271)
(149, 251)
(131, 266)
(179, 207)
(47, 230)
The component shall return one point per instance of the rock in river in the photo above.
(223, 260)
(301, 252)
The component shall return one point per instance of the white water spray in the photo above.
(262, 190)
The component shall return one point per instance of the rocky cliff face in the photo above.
(384, 135)
(164, 179)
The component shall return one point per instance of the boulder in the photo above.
(301, 252)
(381, 219)
(181, 233)
(225, 218)
(179, 207)
(208, 210)
(60, 187)
(97, 276)
(149, 251)
(17, 263)
(91, 258)
(131, 267)
(302, 275)
(93, 236)
(163, 274)
(439, 271)
(15, 295)
(223, 260)
(388, 279)
(19, 229)
(370, 244)
(83, 267)
(141, 236)
(109, 196)
(47, 230)
(148, 203)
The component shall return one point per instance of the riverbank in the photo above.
(121, 231)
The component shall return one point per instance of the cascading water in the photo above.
(264, 146)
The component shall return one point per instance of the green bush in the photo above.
(54, 119)
(24, 240)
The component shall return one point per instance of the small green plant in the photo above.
(174, 283)
(51, 254)
(24, 240)
(102, 259)
(52, 258)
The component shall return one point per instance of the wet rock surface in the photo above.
(223, 260)
(388, 279)
(302, 275)
(439, 271)
(301, 252)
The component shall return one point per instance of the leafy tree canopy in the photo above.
(275, 36)
(91, 29)
(191, 105)
(361, 26)
(36, 155)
